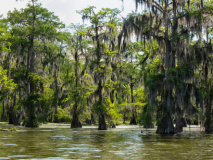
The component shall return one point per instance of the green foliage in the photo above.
(63, 115)
(6, 84)
(4, 36)
(43, 68)
(153, 81)
(5, 129)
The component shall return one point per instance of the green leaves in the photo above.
(6, 84)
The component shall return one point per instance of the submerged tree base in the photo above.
(208, 127)
(166, 126)
(31, 122)
(76, 124)
(31, 125)
(102, 124)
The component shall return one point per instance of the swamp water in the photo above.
(60, 142)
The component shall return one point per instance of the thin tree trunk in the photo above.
(102, 124)
(101, 121)
(31, 117)
(56, 97)
(124, 117)
(3, 117)
(75, 120)
(133, 119)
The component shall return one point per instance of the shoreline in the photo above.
(51, 126)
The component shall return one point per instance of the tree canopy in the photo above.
(150, 68)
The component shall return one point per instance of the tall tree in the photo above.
(98, 33)
(33, 30)
(173, 25)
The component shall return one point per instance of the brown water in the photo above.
(61, 142)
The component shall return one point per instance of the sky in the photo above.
(66, 9)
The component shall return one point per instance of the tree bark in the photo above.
(75, 120)
(209, 120)
(133, 120)
(31, 120)
(208, 106)
(3, 117)
(166, 126)
(56, 97)
(102, 124)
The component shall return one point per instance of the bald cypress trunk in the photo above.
(166, 125)
(208, 105)
(31, 120)
(3, 116)
(133, 119)
(56, 97)
(102, 124)
(75, 120)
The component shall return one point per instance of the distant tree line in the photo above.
(98, 74)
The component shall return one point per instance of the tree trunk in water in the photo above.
(133, 120)
(56, 120)
(180, 123)
(31, 120)
(102, 124)
(111, 124)
(3, 117)
(75, 122)
(208, 106)
(56, 96)
(92, 118)
(124, 116)
(166, 126)
(209, 116)
(15, 117)
(31, 123)
(101, 118)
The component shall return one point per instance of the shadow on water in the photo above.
(89, 143)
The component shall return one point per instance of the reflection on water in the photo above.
(89, 143)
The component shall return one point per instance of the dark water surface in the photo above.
(89, 143)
